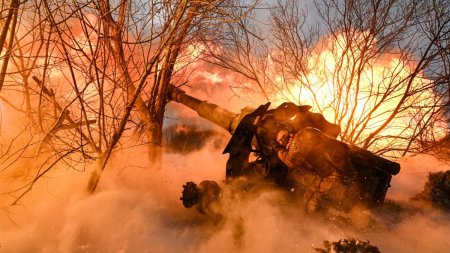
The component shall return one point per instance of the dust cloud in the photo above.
(137, 209)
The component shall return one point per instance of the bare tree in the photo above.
(95, 73)
(92, 75)
(9, 14)
(378, 68)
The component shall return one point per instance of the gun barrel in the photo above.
(212, 112)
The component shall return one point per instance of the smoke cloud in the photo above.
(137, 209)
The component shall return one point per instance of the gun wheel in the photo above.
(190, 195)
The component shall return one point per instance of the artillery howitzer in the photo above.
(295, 149)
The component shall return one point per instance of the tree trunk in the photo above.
(158, 99)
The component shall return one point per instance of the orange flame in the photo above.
(359, 88)
(362, 101)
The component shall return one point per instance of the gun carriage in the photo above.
(295, 149)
